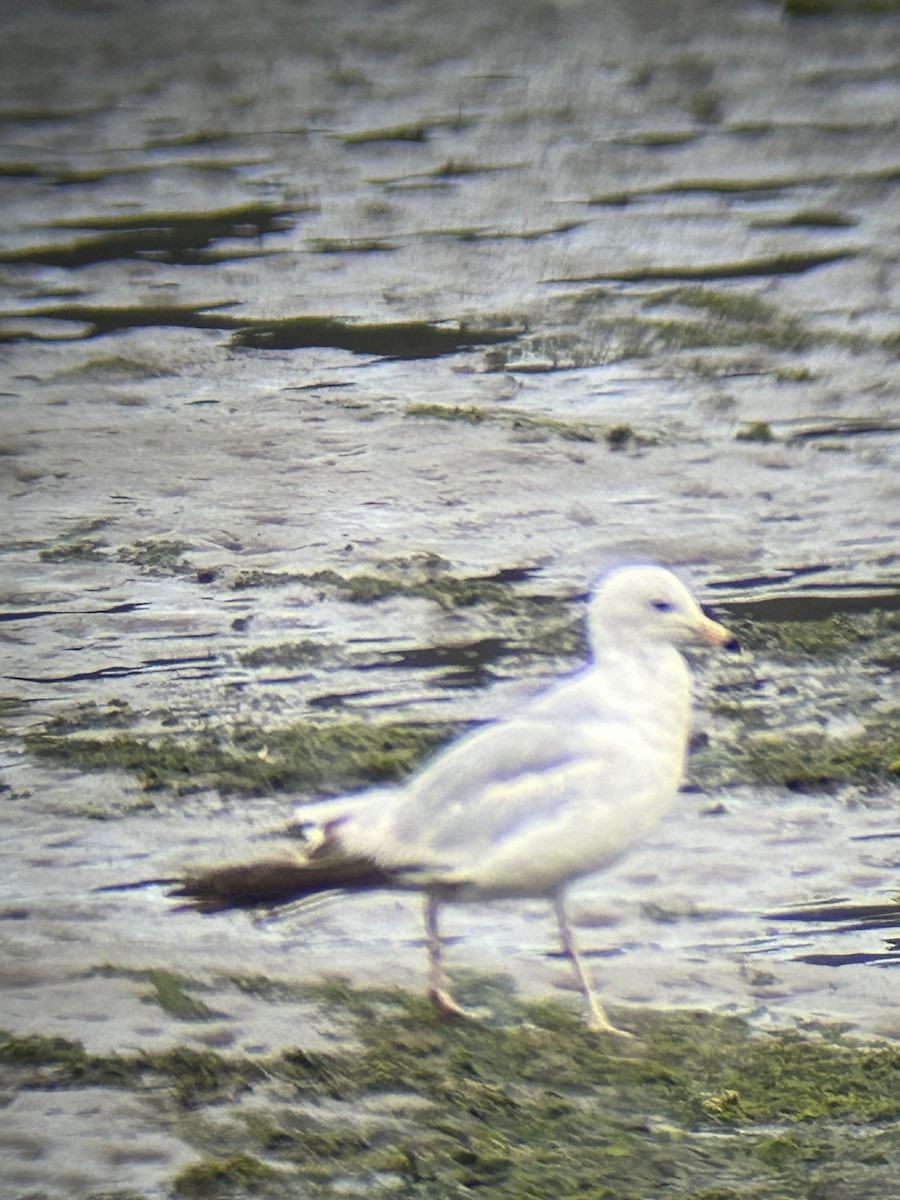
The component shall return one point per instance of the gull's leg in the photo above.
(597, 1018)
(437, 993)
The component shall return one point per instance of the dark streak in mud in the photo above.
(405, 339)
(813, 605)
(35, 613)
(779, 264)
(147, 666)
(176, 237)
(389, 339)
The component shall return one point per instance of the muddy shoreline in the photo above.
(341, 350)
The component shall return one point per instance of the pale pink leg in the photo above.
(597, 1018)
(437, 993)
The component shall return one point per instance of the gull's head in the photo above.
(645, 604)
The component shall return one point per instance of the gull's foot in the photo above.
(607, 1027)
(447, 1006)
(599, 1022)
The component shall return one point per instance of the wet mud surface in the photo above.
(341, 349)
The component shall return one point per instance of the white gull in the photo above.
(524, 806)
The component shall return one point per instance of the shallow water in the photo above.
(518, 229)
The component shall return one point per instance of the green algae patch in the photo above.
(160, 556)
(256, 577)
(171, 991)
(99, 320)
(163, 556)
(80, 550)
(521, 421)
(525, 1103)
(38, 1050)
(471, 414)
(117, 368)
(213, 1177)
(814, 762)
(542, 1107)
(423, 578)
(514, 419)
(88, 715)
(755, 431)
(286, 654)
(246, 759)
(697, 318)
(738, 317)
(188, 1076)
(872, 636)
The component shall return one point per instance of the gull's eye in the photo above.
(662, 605)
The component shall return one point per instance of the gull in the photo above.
(523, 807)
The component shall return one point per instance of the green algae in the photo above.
(117, 368)
(511, 418)
(795, 746)
(800, 760)
(815, 762)
(80, 550)
(517, 420)
(755, 431)
(424, 579)
(871, 636)
(745, 318)
(471, 414)
(170, 992)
(729, 319)
(732, 306)
(246, 759)
(167, 989)
(391, 339)
(114, 714)
(257, 577)
(105, 1194)
(208, 1179)
(159, 555)
(286, 654)
(535, 1106)
(793, 375)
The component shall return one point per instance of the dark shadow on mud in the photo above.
(383, 339)
(840, 918)
(176, 237)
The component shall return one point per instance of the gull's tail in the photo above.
(267, 883)
(271, 883)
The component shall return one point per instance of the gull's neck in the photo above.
(649, 681)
